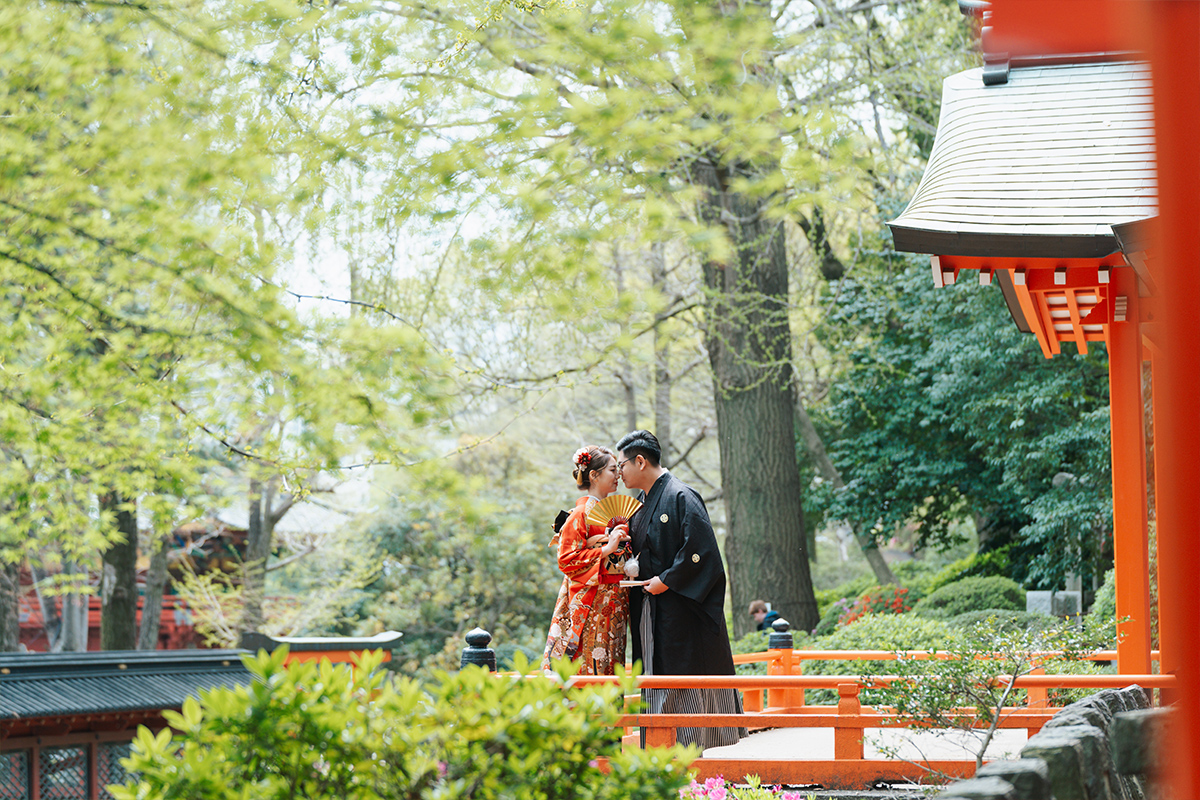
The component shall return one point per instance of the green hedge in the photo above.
(972, 594)
(875, 632)
(1004, 619)
(330, 733)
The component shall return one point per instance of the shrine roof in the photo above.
(64, 684)
(1041, 166)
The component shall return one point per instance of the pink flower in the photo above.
(714, 783)
(718, 793)
(791, 796)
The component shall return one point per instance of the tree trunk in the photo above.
(749, 345)
(118, 584)
(816, 449)
(51, 618)
(75, 603)
(625, 375)
(156, 580)
(258, 547)
(264, 516)
(662, 362)
(10, 597)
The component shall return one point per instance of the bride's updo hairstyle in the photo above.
(588, 459)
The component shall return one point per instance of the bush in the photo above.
(844, 591)
(972, 594)
(873, 632)
(977, 565)
(1105, 604)
(325, 732)
(1004, 620)
(829, 620)
(889, 599)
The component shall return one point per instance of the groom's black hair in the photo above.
(643, 443)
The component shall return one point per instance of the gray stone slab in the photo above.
(1030, 778)
(1039, 602)
(981, 789)
(1137, 738)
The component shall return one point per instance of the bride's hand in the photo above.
(597, 540)
(614, 541)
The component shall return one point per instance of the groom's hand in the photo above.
(655, 586)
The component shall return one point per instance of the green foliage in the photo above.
(972, 594)
(756, 642)
(146, 221)
(829, 620)
(874, 632)
(446, 568)
(946, 411)
(991, 563)
(333, 733)
(1105, 603)
(848, 590)
(1004, 620)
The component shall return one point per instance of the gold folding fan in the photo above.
(616, 506)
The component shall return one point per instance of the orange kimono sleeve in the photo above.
(577, 561)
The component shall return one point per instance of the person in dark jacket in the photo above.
(763, 615)
(677, 617)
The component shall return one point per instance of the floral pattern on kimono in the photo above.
(592, 610)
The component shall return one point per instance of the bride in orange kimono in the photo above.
(592, 610)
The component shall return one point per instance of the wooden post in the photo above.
(848, 742)
(1174, 46)
(1037, 695)
(780, 645)
(658, 735)
(752, 700)
(1130, 532)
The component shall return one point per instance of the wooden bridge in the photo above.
(777, 701)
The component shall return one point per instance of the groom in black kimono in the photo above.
(678, 617)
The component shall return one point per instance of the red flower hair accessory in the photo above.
(582, 458)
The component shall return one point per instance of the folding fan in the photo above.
(618, 507)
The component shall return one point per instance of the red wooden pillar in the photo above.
(1130, 534)
(1174, 46)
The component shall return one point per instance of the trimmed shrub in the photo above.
(977, 565)
(829, 620)
(873, 632)
(843, 591)
(972, 594)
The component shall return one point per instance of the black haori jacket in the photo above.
(673, 539)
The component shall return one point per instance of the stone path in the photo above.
(817, 743)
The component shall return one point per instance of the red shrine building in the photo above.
(1041, 173)
(1067, 170)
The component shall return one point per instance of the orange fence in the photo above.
(785, 707)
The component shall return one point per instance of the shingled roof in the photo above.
(72, 684)
(1040, 166)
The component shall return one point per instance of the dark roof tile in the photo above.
(1041, 166)
(61, 684)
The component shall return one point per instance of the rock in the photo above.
(1136, 741)
(1076, 758)
(987, 788)
(1030, 778)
